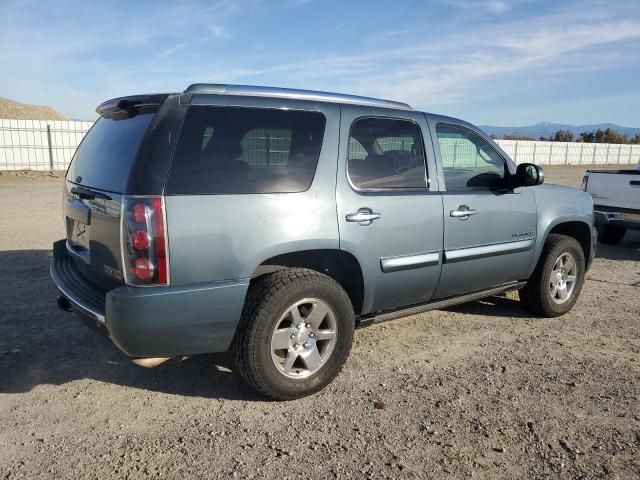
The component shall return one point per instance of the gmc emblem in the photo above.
(112, 272)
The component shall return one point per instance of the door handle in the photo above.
(463, 212)
(364, 216)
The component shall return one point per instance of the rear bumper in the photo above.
(155, 321)
(617, 216)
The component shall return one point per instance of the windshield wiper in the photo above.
(88, 194)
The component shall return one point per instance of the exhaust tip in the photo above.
(63, 303)
(150, 362)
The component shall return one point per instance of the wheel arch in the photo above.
(340, 265)
(576, 228)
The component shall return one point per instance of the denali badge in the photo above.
(112, 272)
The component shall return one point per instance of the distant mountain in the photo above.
(546, 129)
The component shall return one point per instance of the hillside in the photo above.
(546, 129)
(22, 111)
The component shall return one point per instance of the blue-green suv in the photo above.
(272, 222)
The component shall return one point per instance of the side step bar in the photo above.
(436, 304)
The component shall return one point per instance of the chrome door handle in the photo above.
(463, 212)
(364, 216)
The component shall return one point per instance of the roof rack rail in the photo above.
(256, 91)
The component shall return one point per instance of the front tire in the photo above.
(295, 334)
(556, 283)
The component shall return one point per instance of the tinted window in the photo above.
(246, 150)
(386, 153)
(468, 160)
(106, 154)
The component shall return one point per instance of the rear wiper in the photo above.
(88, 194)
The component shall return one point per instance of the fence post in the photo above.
(551, 153)
(606, 160)
(455, 153)
(566, 154)
(535, 144)
(619, 149)
(50, 147)
(595, 147)
(515, 154)
(268, 140)
(581, 150)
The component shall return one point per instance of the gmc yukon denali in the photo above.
(272, 222)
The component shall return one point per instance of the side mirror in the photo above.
(528, 175)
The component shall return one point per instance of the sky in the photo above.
(493, 62)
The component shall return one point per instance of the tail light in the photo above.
(585, 181)
(144, 241)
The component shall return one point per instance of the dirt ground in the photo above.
(482, 390)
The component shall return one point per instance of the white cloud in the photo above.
(220, 31)
(444, 72)
(491, 6)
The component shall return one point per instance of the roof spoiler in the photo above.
(134, 101)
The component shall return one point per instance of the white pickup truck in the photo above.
(616, 200)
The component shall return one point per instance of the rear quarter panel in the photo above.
(226, 237)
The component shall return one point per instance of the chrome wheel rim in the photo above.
(563, 278)
(304, 338)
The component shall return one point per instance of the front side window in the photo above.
(228, 150)
(386, 154)
(468, 160)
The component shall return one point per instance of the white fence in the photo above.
(570, 153)
(39, 144)
(49, 145)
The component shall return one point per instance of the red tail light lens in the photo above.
(144, 241)
(140, 213)
(140, 240)
(143, 269)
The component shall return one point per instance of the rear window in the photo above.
(227, 150)
(106, 154)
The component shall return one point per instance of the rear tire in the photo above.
(556, 282)
(295, 334)
(612, 234)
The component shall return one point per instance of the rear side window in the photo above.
(105, 156)
(227, 150)
(386, 154)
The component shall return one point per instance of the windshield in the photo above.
(105, 156)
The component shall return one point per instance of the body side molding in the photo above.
(462, 254)
(407, 262)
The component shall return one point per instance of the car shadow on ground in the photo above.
(627, 249)
(42, 345)
(496, 306)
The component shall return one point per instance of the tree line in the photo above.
(599, 136)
